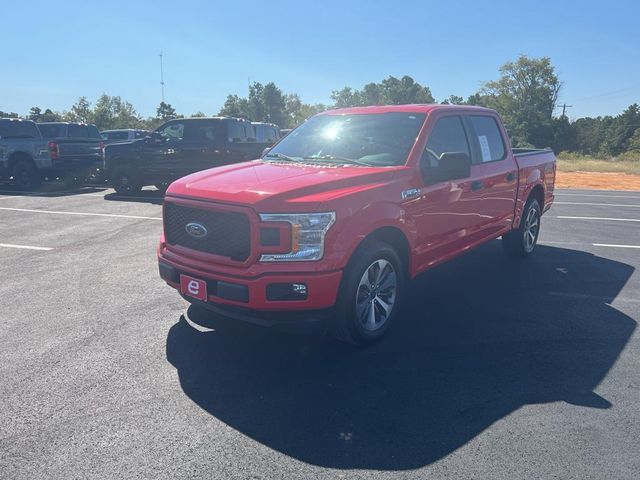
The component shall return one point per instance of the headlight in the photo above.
(307, 235)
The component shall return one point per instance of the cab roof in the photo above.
(412, 108)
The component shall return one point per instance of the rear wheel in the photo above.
(26, 175)
(372, 286)
(522, 241)
(125, 181)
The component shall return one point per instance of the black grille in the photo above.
(228, 233)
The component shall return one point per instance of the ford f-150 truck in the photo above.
(331, 223)
(77, 149)
(180, 147)
(24, 155)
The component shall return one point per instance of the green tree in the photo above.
(453, 100)
(256, 105)
(620, 131)
(198, 114)
(80, 112)
(234, 106)
(525, 95)
(634, 141)
(391, 91)
(297, 111)
(8, 114)
(346, 97)
(35, 114)
(273, 104)
(165, 112)
(113, 112)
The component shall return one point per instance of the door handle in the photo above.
(511, 176)
(476, 185)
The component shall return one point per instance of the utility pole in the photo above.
(564, 108)
(161, 78)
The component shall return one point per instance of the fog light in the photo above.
(283, 292)
(300, 288)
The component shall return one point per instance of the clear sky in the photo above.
(54, 52)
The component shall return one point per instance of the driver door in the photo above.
(445, 217)
(162, 158)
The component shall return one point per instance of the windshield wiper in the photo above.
(282, 156)
(338, 158)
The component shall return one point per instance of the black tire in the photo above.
(125, 181)
(352, 324)
(522, 242)
(26, 175)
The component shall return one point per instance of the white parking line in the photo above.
(614, 246)
(54, 212)
(592, 195)
(608, 300)
(596, 204)
(25, 247)
(599, 218)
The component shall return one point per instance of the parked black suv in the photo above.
(178, 148)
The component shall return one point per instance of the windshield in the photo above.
(381, 139)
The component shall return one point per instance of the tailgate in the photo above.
(80, 149)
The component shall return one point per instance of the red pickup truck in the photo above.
(331, 223)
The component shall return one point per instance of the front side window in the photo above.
(489, 138)
(173, 131)
(371, 139)
(119, 135)
(447, 136)
(18, 129)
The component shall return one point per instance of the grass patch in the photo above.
(628, 163)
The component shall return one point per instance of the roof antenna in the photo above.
(161, 78)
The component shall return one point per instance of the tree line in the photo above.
(525, 94)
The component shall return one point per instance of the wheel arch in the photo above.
(17, 156)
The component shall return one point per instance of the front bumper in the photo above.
(252, 304)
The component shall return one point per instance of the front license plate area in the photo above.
(193, 287)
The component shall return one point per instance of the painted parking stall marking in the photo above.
(56, 212)
(566, 217)
(25, 247)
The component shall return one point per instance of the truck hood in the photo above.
(272, 186)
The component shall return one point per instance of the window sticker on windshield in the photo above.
(484, 147)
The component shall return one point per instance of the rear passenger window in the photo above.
(489, 138)
(447, 136)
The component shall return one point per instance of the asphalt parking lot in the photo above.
(497, 369)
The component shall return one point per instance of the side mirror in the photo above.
(451, 166)
(265, 151)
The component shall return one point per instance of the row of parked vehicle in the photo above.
(127, 159)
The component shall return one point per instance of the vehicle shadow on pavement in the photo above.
(49, 190)
(145, 196)
(479, 337)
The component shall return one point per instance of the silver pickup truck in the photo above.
(24, 154)
(31, 153)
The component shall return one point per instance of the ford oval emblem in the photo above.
(196, 230)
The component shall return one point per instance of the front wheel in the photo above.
(26, 175)
(522, 241)
(371, 289)
(125, 182)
